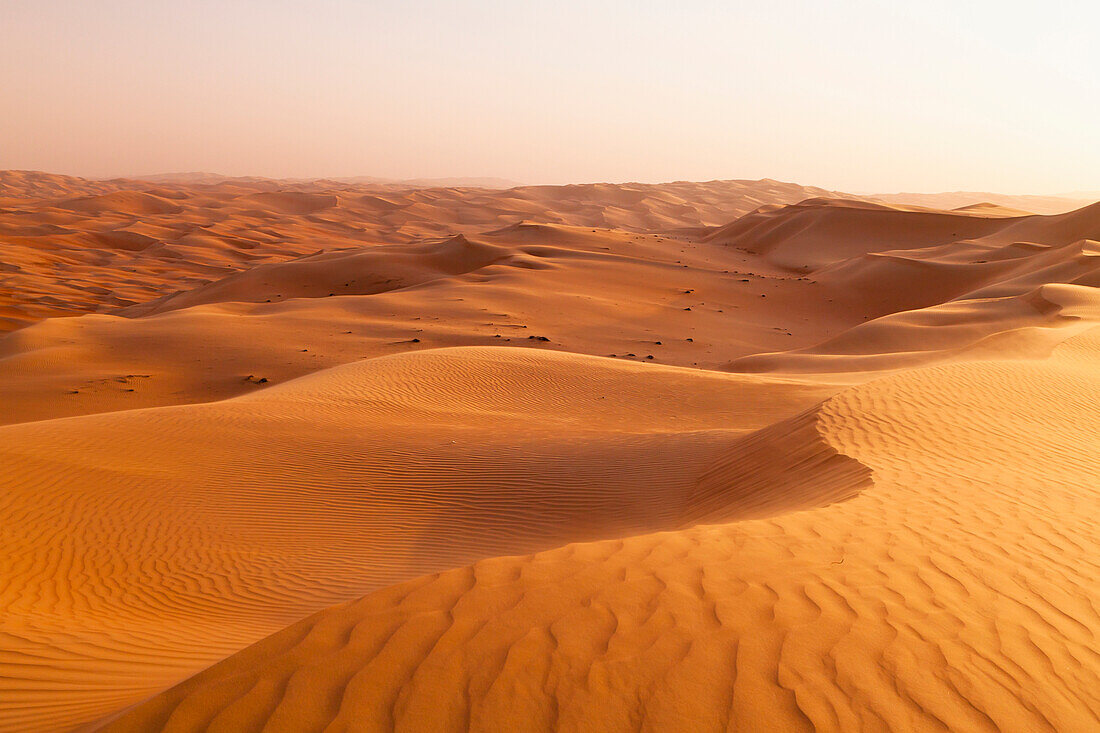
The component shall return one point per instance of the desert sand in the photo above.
(736, 455)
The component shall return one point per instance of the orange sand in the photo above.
(736, 454)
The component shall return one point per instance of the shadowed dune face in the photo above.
(365, 271)
(71, 244)
(883, 611)
(808, 462)
(602, 292)
(393, 466)
(56, 229)
(124, 203)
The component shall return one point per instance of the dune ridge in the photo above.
(730, 454)
(363, 462)
(201, 227)
(440, 292)
(204, 229)
(879, 611)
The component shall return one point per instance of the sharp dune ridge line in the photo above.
(371, 466)
(74, 245)
(347, 455)
(957, 594)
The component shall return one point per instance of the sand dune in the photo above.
(545, 286)
(386, 267)
(958, 593)
(205, 229)
(16, 184)
(705, 455)
(121, 202)
(373, 465)
(1023, 326)
(1057, 204)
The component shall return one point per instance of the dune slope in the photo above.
(957, 594)
(828, 465)
(73, 246)
(152, 561)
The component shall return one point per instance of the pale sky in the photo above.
(851, 94)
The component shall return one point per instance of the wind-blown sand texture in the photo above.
(683, 457)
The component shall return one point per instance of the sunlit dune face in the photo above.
(544, 457)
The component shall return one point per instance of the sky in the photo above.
(854, 95)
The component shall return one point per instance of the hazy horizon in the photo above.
(468, 181)
(853, 97)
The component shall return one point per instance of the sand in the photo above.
(349, 456)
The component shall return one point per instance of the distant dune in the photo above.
(958, 199)
(216, 178)
(204, 228)
(744, 455)
(941, 596)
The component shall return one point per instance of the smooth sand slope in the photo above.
(704, 300)
(72, 245)
(865, 435)
(640, 298)
(75, 246)
(156, 541)
(959, 593)
(1057, 204)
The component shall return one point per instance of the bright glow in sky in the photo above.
(858, 95)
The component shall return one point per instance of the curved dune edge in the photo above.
(358, 454)
(788, 466)
(958, 593)
(896, 288)
(128, 558)
(80, 246)
(1026, 326)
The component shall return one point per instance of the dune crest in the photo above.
(885, 610)
(374, 464)
(736, 454)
